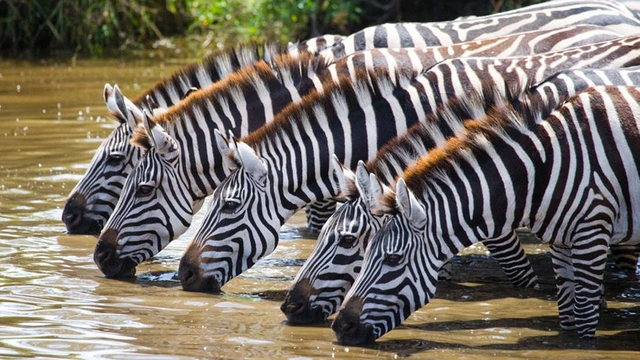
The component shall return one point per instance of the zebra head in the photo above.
(155, 205)
(320, 286)
(93, 199)
(241, 225)
(397, 268)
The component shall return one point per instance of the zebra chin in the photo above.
(300, 311)
(76, 220)
(106, 258)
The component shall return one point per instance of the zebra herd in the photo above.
(433, 137)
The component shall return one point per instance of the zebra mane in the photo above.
(334, 97)
(222, 63)
(443, 122)
(284, 68)
(476, 134)
(140, 137)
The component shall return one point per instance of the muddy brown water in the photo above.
(54, 303)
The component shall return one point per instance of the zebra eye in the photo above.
(347, 241)
(144, 190)
(392, 259)
(114, 159)
(230, 206)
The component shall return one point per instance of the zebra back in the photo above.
(543, 16)
(509, 162)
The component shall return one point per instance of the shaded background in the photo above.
(187, 28)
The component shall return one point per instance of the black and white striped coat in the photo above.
(297, 169)
(571, 177)
(328, 273)
(204, 179)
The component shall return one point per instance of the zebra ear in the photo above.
(345, 186)
(250, 160)
(409, 205)
(378, 192)
(160, 140)
(125, 110)
(228, 159)
(153, 105)
(362, 182)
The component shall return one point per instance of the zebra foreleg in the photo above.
(589, 259)
(565, 284)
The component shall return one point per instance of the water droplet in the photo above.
(17, 88)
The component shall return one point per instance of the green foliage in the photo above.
(37, 28)
(227, 22)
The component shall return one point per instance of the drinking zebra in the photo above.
(92, 200)
(328, 273)
(548, 15)
(405, 61)
(294, 173)
(571, 177)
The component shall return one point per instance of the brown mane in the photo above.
(514, 115)
(294, 115)
(241, 80)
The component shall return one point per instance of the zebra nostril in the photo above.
(189, 276)
(293, 308)
(72, 218)
(104, 256)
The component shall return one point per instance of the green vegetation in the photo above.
(98, 28)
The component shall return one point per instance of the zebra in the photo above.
(571, 178)
(263, 208)
(407, 61)
(92, 200)
(611, 14)
(329, 272)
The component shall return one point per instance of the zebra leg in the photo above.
(625, 256)
(510, 255)
(589, 260)
(563, 272)
(318, 213)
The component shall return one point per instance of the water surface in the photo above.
(55, 303)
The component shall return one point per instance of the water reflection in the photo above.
(55, 303)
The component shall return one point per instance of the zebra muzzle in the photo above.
(348, 328)
(74, 219)
(107, 259)
(193, 279)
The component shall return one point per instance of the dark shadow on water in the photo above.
(165, 279)
(625, 340)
